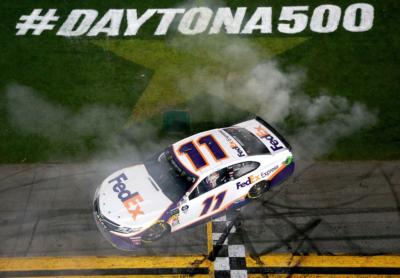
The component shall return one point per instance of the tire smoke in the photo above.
(243, 76)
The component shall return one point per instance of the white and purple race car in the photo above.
(191, 182)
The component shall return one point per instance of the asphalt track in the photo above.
(329, 208)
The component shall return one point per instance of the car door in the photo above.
(213, 194)
(203, 202)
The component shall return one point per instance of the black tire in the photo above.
(258, 189)
(156, 232)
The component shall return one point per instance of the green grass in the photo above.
(362, 67)
(180, 58)
(141, 75)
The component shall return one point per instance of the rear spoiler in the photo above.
(277, 134)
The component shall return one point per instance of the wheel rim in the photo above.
(257, 190)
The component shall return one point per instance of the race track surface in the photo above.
(328, 208)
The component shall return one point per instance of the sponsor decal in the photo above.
(288, 160)
(185, 208)
(174, 219)
(130, 200)
(174, 211)
(273, 143)
(269, 172)
(250, 180)
(195, 155)
(328, 18)
(239, 151)
(243, 184)
(255, 178)
(234, 146)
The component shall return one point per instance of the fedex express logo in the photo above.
(254, 178)
(263, 133)
(130, 201)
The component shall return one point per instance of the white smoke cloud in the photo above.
(32, 114)
(239, 73)
(326, 119)
(29, 113)
(242, 76)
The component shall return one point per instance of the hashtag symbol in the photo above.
(36, 22)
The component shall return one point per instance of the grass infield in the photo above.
(117, 72)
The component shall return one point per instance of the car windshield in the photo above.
(172, 179)
(247, 140)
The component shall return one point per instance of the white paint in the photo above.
(260, 20)
(298, 17)
(108, 24)
(36, 22)
(216, 236)
(236, 251)
(221, 263)
(332, 14)
(166, 20)
(236, 273)
(134, 22)
(195, 21)
(232, 23)
(357, 17)
(69, 28)
(137, 180)
(366, 21)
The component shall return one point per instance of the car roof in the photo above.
(213, 149)
(226, 151)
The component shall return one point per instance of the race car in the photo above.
(192, 181)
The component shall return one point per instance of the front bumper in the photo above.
(106, 227)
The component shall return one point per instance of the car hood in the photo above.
(131, 198)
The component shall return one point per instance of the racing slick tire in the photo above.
(258, 189)
(156, 232)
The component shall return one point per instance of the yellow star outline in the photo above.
(173, 60)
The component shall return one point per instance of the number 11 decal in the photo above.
(207, 203)
(196, 157)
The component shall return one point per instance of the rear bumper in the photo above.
(277, 134)
(283, 175)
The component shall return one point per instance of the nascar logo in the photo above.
(130, 200)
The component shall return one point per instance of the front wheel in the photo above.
(156, 232)
(257, 190)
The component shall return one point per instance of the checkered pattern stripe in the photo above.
(228, 249)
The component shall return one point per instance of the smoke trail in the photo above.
(33, 115)
(237, 72)
(242, 76)
(101, 126)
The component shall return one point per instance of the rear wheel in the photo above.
(258, 189)
(156, 232)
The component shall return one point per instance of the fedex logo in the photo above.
(235, 147)
(254, 178)
(263, 133)
(250, 180)
(130, 200)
